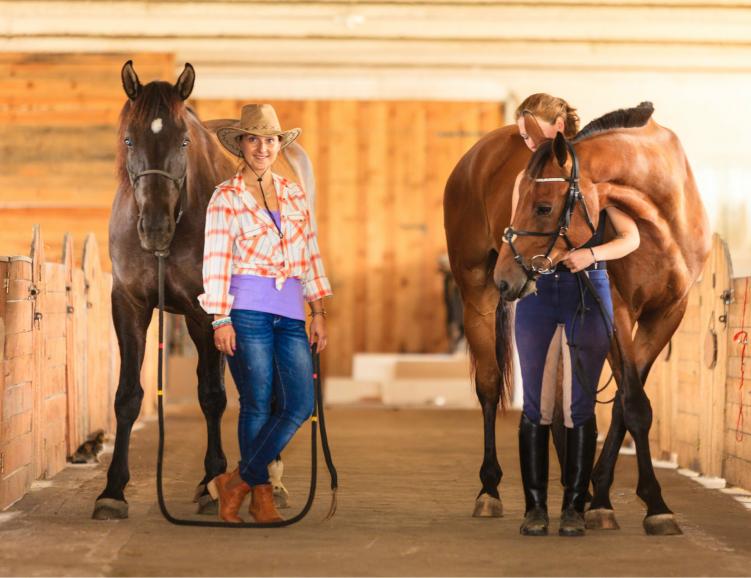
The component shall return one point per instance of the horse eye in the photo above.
(186, 142)
(128, 142)
(543, 210)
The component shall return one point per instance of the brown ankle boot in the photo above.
(262, 506)
(230, 490)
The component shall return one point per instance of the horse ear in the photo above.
(184, 84)
(131, 84)
(533, 129)
(560, 149)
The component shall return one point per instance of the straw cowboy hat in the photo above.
(255, 119)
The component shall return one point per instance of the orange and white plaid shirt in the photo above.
(241, 239)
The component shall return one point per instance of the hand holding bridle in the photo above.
(578, 259)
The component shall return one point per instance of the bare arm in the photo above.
(626, 241)
(626, 237)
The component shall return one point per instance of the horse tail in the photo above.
(503, 355)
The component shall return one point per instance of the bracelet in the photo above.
(322, 313)
(594, 259)
(221, 322)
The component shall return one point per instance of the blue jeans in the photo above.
(553, 314)
(273, 358)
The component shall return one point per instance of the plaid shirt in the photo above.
(242, 239)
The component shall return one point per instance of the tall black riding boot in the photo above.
(533, 457)
(581, 443)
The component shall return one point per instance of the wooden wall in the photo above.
(737, 432)
(696, 403)
(60, 362)
(380, 172)
(58, 122)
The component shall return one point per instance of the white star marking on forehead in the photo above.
(156, 125)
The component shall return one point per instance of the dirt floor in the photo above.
(408, 484)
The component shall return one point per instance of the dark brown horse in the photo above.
(168, 166)
(627, 161)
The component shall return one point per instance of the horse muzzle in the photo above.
(155, 236)
(513, 283)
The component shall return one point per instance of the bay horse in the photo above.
(625, 160)
(168, 164)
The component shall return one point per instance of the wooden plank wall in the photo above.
(380, 172)
(58, 136)
(696, 404)
(60, 362)
(737, 433)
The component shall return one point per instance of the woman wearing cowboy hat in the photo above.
(261, 262)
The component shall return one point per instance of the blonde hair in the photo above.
(549, 108)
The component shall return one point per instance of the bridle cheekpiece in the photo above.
(543, 264)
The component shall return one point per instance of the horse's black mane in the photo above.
(621, 118)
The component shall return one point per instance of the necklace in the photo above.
(259, 178)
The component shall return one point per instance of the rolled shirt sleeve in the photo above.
(315, 285)
(217, 256)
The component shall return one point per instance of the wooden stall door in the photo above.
(380, 170)
(16, 391)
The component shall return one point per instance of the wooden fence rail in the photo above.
(694, 386)
(60, 362)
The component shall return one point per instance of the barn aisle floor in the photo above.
(408, 482)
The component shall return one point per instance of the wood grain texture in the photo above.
(58, 137)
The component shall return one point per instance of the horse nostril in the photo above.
(503, 286)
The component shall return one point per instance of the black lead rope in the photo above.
(318, 414)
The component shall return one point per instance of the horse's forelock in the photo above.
(539, 159)
(158, 99)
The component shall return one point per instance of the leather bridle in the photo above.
(179, 182)
(542, 264)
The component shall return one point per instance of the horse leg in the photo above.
(655, 330)
(480, 332)
(601, 515)
(213, 400)
(131, 320)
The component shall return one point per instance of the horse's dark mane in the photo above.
(621, 118)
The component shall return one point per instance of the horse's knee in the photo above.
(128, 404)
(637, 413)
(213, 402)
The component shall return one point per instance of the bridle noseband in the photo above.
(543, 264)
(179, 182)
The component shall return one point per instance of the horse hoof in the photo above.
(207, 506)
(662, 525)
(601, 519)
(200, 491)
(281, 497)
(110, 509)
(487, 506)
